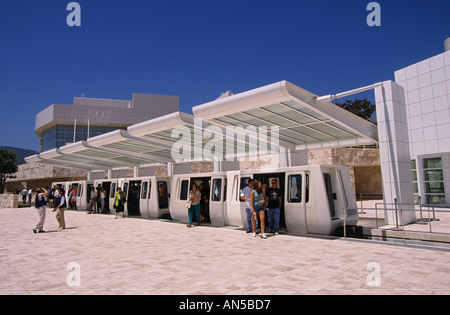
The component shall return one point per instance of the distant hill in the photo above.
(21, 153)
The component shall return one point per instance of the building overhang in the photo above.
(301, 123)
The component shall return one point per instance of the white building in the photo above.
(427, 93)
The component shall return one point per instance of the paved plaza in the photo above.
(136, 256)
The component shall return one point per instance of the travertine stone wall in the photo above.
(363, 164)
(9, 201)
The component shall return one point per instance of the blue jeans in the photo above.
(248, 212)
(274, 219)
(196, 209)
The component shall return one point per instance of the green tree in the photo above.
(362, 108)
(8, 166)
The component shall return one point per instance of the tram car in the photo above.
(83, 189)
(316, 199)
(147, 197)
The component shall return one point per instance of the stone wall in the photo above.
(33, 176)
(363, 165)
(9, 201)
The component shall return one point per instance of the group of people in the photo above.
(259, 198)
(97, 200)
(58, 202)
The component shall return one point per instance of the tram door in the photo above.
(133, 198)
(204, 186)
(234, 212)
(279, 178)
(218, 200)
(145, 203)
(295, 199)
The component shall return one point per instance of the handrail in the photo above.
(396, 207)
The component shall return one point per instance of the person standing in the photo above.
(40, 203)
(257, 202)
(195, 196)
(24, 195)
(119, 202)
(61, 205)
(274, 196)
(246, 195)
(30, 195)
(102, 199)
(92, 201)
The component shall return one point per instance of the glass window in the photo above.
(434, 181)
(432, 163)
(434, 175)
(125, 188)
(435, 187)
(144, 190)
(113, 190)
(330, 194)
(295, 188)
(244, 183)
(217, 189)
(184, 190)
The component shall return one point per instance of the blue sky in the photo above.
(197, 49)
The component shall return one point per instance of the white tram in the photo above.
(316, 199)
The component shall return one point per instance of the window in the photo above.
(184, 190)
(113, 190)
(144, 190)
(244, 183)
(295, 188)
(415, 181)
(434, 181)
(217, 189)
(330, 194)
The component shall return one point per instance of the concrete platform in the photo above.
(429, 227)
(136, 256)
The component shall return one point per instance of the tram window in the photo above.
(225, 190)
(113, 191)
(295, 188)
(244, 183)
(144, 190)
(184, 190)
(80, 190)
(125, 188)
(330, 194)
(307, 189)
(217, 189)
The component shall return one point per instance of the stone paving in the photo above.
(136, 256)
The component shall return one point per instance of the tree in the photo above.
(362, 108)
(8, 166)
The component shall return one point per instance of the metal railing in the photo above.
(427, 213)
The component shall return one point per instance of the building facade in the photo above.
(61, 124)
(427, 93)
